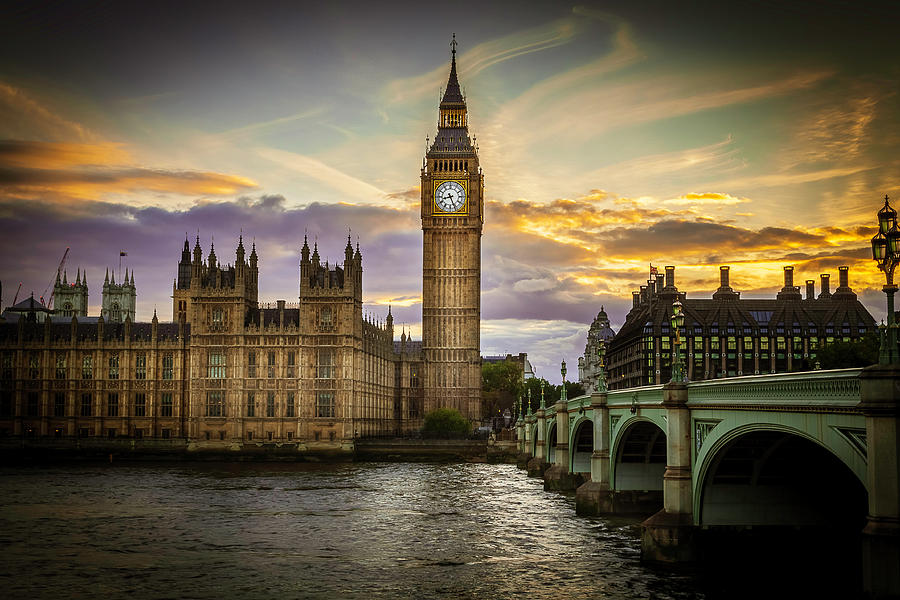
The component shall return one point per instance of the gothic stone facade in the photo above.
(226, 373)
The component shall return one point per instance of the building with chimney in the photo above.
(727, 336)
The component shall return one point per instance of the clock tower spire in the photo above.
(452, 211)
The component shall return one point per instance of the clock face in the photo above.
(450, 197)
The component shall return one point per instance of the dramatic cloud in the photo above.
(64, 172)
(608, 141)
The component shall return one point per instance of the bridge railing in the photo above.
(838, 387)
(832, 388)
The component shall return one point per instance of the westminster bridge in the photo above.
(800, 450)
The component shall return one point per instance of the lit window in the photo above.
(168, 366)
(216, 365)
(325, 404)
(325, 366)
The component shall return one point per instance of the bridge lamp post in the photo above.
(886, 252)
(677, 324)
(562, 394)
(601, 374)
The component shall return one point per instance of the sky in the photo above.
(613, 135)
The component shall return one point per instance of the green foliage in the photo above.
(445, 422)
(501, 385)
(504, 376)
(845, 355)
(551, 392)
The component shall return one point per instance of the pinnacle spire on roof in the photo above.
(452, 95)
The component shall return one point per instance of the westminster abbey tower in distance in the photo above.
(231, 373)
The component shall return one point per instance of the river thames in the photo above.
(262, 530)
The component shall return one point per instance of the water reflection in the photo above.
(312, 531)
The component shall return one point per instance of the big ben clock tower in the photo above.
(452, 217)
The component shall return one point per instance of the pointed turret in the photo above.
(65, 280)
(198, 253)
(348, 250)
(452, 95)
(357, 256)
(78, 277)
(304, 252)
(453, 125)
(315, 254)
(239, 253)
(253, 257)
(131, 283)
(211, 259)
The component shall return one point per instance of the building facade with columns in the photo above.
(727, 336)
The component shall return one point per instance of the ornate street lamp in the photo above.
(601, 373)
(528, 414)
(677, 324)
(562, 394)
(886, 252)
(542, 395)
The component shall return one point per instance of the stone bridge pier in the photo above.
(537, 464)
(595, 497)
(668, 536)
(880, 403)
(559, 477)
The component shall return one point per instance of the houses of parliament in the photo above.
(230, 372)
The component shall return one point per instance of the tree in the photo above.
(844, 355)
(445, 422)
(501, 385)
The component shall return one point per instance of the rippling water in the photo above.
(311, 531)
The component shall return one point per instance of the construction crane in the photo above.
(59, 269)
(16, 297)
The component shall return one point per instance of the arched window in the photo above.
(115, 313)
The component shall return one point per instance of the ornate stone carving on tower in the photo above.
(213, 296)
(119, 300)
(71, 300)
(452, 218)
